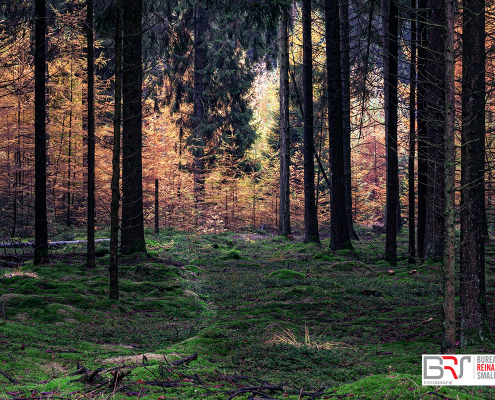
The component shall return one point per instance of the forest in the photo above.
(250, 199)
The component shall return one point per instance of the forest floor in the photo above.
(258, 316)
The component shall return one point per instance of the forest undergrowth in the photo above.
(223, 316)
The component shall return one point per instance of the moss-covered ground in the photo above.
(258, 310)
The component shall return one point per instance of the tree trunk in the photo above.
(448, 311)
(422, 144)
(114, 206)
(310, 213)
(474, 328)
(40, 223)
(346, 111)
(412, 138)
(390, 56)
(69, 171)
(90, 254)
(157, 215)
(198, 131)
(435, 224)
(132, 240)
(284, 222)
(339, 226)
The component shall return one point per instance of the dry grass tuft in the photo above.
(287, 336)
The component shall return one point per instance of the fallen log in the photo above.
(50, 244)
(185, 360)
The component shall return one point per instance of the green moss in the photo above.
(192, 268)
(102, 251)
(382, 264)
(32, 302)
(286, 274)
(233, 255)
(153, 254)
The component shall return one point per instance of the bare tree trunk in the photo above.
(114, 207)
(41, 254)
(284, 227)
(69, 171)
(448, 331)
(422, 134)
(435, 212)
(339, 226)
(90, 254)
(412, 138)
(132, 238)
(157, 215)
(391, 53)
(346, 111)
(474, 327)
(311, 233)
(198, 132)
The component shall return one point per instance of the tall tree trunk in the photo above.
(448, 331)
(117, 117)
(346, 110)
(284, 222)
(339, 226)
(474, 326)
(198, 132)
(157, 206)
(422, 118)
(69, 171)
(412, 138)
(435, 224)
(310, 213)
(90, 254)
(40, 218)
(390, 56)
(132, 240)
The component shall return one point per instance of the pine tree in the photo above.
(132, 237)
(339, 232)
(391, 53)
(311, 233)
(90, 257)
(117, 118)
(41, 223)
(284, 210)
(435, 224)
(474, 321)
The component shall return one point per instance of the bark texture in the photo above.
(391, 50)
(412, 139)
(422, 117)
(474, 326)
(346, 110)
(339, 227)
(157, 209)
(284, 210)
(310, 216)
(40, 217)
(114, 206)
(448, 331)
(132, 171)
(90, 254)
(199, 111)
(435, 224)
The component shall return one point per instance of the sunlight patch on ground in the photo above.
(19, 272)
(287, 336)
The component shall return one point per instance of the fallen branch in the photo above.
(185, 360)
(12, 380)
